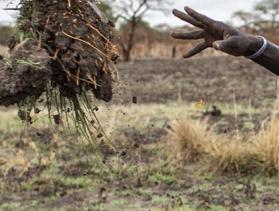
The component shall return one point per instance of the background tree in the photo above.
(245, 18)
(130, 13)
(270, 10)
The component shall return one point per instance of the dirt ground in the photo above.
(43, 168)
(243, 88)
(213, 79)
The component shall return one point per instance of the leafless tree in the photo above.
(270, 9)
(131, 13)
(245, 18)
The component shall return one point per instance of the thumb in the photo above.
(230, 45)
(217, 45)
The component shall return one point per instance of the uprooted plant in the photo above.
(67, 55)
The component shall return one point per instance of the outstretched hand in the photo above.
(215, 34)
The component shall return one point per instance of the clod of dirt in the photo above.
(57, 119)
(24, 116)
(215, 112)
(71, 47)
(79, 38)
(102, 195)
(100, 135)
(68, 54)
(12, 43)
(135, 100)
(26, 73)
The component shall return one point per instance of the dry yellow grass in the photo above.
(229, 156)
(267, 147)
(190, 142)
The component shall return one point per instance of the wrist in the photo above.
(255, 43)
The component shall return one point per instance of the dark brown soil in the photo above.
(25, 74)
(80, 40)
(212, 79)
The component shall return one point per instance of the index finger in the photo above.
(185, 17)
(200, 17)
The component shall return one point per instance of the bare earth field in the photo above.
(234, 85)
(46, 168)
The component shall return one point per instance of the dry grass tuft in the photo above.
(190, 141)
(232, 156)
(267, 147)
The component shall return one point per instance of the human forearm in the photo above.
(269, 58)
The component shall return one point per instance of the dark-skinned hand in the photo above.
(215, 34)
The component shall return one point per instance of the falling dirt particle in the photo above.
(135, 100)
(37, 110)
(123, 154)
(102, 195)
(25, 116)
(100, 135)
(114, 57)
(139, 183)
(12, 42)
(169, 127)
(57, 119)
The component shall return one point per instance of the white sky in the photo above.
(218, 9)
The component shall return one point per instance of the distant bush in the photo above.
(5, 33)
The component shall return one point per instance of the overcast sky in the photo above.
(218, 9)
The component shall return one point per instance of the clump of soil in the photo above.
(71, 47)
(79, 38)
(25, 74)
(67, 53)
